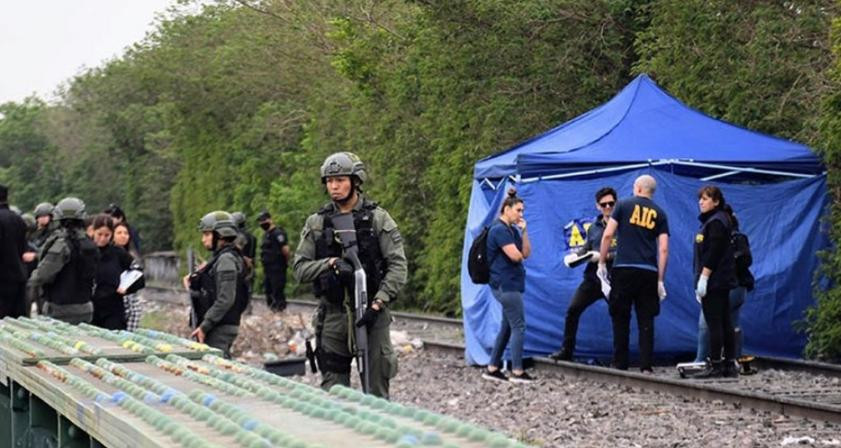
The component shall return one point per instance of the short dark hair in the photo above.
(511, 200)
(115, 211)
(102, 220)
(604, 192)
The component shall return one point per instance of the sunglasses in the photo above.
(607, 204)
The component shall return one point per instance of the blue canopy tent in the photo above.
(777, 187)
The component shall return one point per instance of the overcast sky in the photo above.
(45, 42)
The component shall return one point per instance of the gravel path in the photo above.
(556, 411)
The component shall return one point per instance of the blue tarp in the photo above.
(782, 219)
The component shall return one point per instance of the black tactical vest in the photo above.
(724, 275)
(74, 283)
(330, 286)
(207, 289)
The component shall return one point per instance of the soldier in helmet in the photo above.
(319, 259)
(217, 289)
(247, 244)
(68, 265)
(43, 216)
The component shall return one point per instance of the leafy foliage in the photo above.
(233, 105)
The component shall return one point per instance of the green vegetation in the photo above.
(235, 107)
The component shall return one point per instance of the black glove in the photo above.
(343, 269)
(368, 319)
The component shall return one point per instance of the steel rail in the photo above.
(682, 388)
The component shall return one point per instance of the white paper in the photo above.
(128, 278)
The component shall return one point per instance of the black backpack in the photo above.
(744, 259)
(477, 259)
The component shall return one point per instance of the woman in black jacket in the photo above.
(715, 276)
(108, 308)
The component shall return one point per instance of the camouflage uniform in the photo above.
(334, 321)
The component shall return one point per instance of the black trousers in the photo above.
(13, 300)
(637, 288)
(716, 307)
(588, 292)
(273, 285)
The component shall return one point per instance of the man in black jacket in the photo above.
(274, 253)
(12, 270)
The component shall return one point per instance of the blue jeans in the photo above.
(737, 299)
(513, 328)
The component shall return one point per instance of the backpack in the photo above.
(477, 259)
(744, 258)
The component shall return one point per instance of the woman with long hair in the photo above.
(715, 276)
(134, 309)
(108, 307)
(507, 247)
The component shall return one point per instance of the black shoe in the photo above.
(562, 355)
(523, 378)
(730, 370)
(496, 375)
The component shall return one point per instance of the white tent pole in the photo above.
(719, 176)
(597, 171)
(740, 169)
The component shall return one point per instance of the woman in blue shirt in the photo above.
(508, 246)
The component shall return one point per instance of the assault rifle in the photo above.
(345, 229)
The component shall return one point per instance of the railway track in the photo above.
(787, 386)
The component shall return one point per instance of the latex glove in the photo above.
(368, 318)
(601, 272)
(595, 257)
(701, 288)
(569, 259)
(697, 298)
(661, 291)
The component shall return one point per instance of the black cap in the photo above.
(264, 215)
(4, 194)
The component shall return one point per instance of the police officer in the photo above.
(43, 216)
(639, 267)
(318, 259)
(68, 265)
(217, 290)
(274, 253)
(589, 291)
(12, 270)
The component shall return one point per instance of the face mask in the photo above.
(265, 225)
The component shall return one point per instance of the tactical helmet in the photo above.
(343, 164)
(239, 219)
(220, 222)
(43, 209)
(15, 209)
(69, 208)
(30, 221)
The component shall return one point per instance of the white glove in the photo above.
(569, 259)
(601, 273)
(595, 257)
(701, 289)
(697, 298)
(661, 291)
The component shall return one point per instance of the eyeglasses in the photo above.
(607, 204)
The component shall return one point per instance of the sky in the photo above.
(46, 42)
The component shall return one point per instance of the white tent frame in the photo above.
(729, 170)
